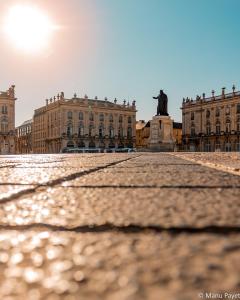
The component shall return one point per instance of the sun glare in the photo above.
(28, 28)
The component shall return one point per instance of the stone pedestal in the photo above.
(161, 134)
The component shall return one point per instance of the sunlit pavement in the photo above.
(119, 226)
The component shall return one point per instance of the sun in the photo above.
(28, 28)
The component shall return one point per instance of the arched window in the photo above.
(192, 116)
(120, 119)
(227, 110)
(81, 144)
(238, 144)
(101, 118)
(207, 146)
(81, 130)
(217, 112)
(238, 108)
(238, 124)
(208, 113)
(129, 132)
(4, 109)
(111, 132)
(129, 120)
(218, 145)
(91, 116)
(218, 127)
(4, 127)
(228, 146)
(92, 144)
(228, 126)
(208, 128)
(4, 124)
(120, 132)
(110, 118)
(81, 116)
(101, 131)
(69, 129)
(70, 144)
(193, 129)
(69, 115)
(90, 130)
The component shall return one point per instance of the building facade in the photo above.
(143, 135)
(212, 124)
(177, 135)
(84, 123)
(24, 138)
(7, 121)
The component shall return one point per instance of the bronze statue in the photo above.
(162, 109)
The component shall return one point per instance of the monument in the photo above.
(161, 127)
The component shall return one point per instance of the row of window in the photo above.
(101, 117)
(217, 128)
(217, 112)
(24, 130)
(208, 147)
(101, 131)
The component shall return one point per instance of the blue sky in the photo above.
(129, 49)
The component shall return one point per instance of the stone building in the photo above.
(7, 121)
(213, 123)
(143, 135)
(24, 138)
(177, 135)
(84, 123)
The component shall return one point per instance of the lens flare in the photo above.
(28, 28)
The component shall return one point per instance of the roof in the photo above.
(140, 124)
(126, 106)
(28, 122)
(3, 94)
(100, 103)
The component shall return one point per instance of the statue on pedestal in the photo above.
(162, 109)
(11, 91)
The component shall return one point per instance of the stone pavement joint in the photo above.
(218, 230)
(153, 186)
(7, 166)
(228, 162)
(62, 179)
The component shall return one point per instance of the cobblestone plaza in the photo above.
(119, 226)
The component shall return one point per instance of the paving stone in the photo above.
(229, 161)
(162, 176)
(43, 264)
(7, 191)
(157, 170)
(74, 207)
(42, 173)
(34, 175)
(117, 226)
